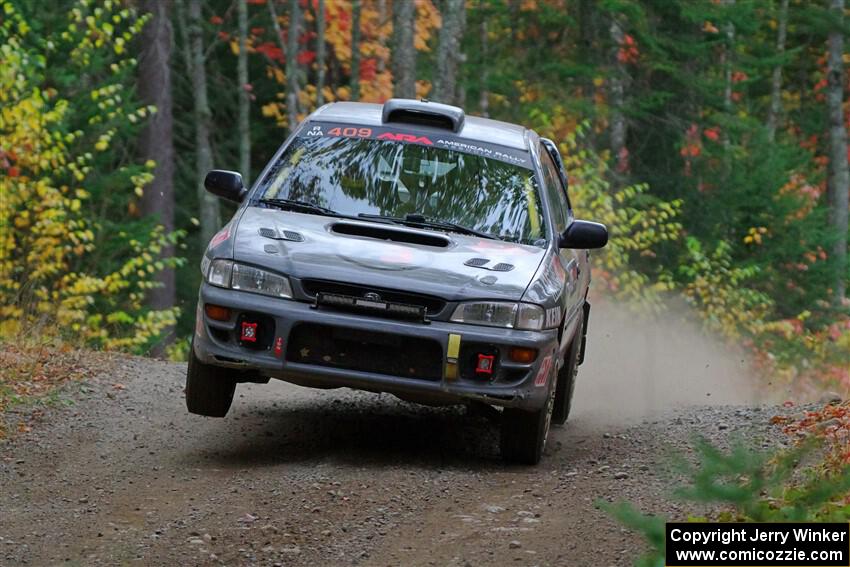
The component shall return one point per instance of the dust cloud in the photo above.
(640, 365)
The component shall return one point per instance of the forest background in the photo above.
(709, 135)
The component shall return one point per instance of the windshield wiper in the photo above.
(304, 206)
(415, 220)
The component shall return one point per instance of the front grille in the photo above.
(365, 351)
(431, 304)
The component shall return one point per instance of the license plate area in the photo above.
(366, 351)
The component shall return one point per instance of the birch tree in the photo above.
(484, 94)
(320, 53)
(776, 79)
(244, 125)
(404, 51)
(617, 86)
(839, 178)
(449, 51)
(355, 49)
(210, 215)
(290, 48)
(292, 87)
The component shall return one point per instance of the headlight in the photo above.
(228, 274)
(500, 314)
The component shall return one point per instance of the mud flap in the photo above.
(585, 321)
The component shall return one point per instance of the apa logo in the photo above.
(398, 137)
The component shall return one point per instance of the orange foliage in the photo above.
(832, 424)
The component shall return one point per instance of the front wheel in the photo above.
(567, 380)
(209, 389)
(524, 433)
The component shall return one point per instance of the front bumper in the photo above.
(512, 384)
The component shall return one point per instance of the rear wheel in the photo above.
(524, 433)
(209, 389)
(567, 381)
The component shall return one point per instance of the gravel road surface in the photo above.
(123, 475)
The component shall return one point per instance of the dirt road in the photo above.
(124, 476)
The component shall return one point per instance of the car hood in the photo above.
(382, 255)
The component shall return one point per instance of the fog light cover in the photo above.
(484, 366)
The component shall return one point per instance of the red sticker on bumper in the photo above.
(278, 347)
(249, 332)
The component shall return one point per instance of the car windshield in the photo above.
(363, 176)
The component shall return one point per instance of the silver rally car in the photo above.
(402, 248)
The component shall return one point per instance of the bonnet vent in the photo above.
(391, 234)
(482, 263)
(282, 235)
(476, 262)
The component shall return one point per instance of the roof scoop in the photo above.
(423, 113)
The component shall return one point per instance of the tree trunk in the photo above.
(727, 60)
(382, 40)
(404, 52)
(355, 50)
(320, 53)
(244, 125)
(484, 94)
(449, 51)
(776, 81)
(292, 88)
(156, 142)
(210, 214)
(290, 48)
(839, 177)
(617, 87)
(589, 24)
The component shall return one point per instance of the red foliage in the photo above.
(306, 57)
(368, 69)
(832, 423)
(216, 20)
(712, 134)
(270, 50)
(628, 51)
(13, 171)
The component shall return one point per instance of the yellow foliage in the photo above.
(44, 232)
(634, 231)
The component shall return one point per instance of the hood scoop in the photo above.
(274, 234)
(482, 263)
(384, 232)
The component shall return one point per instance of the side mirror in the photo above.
(225, 184)
(584, 235)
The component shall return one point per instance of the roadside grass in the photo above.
(808, 482)
(33, 372)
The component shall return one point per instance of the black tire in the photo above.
(567, 381)
(524, 433)
(209, 389)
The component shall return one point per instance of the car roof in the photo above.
(474, 127)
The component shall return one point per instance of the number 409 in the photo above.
(351, 132)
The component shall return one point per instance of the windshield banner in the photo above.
(438, 140)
